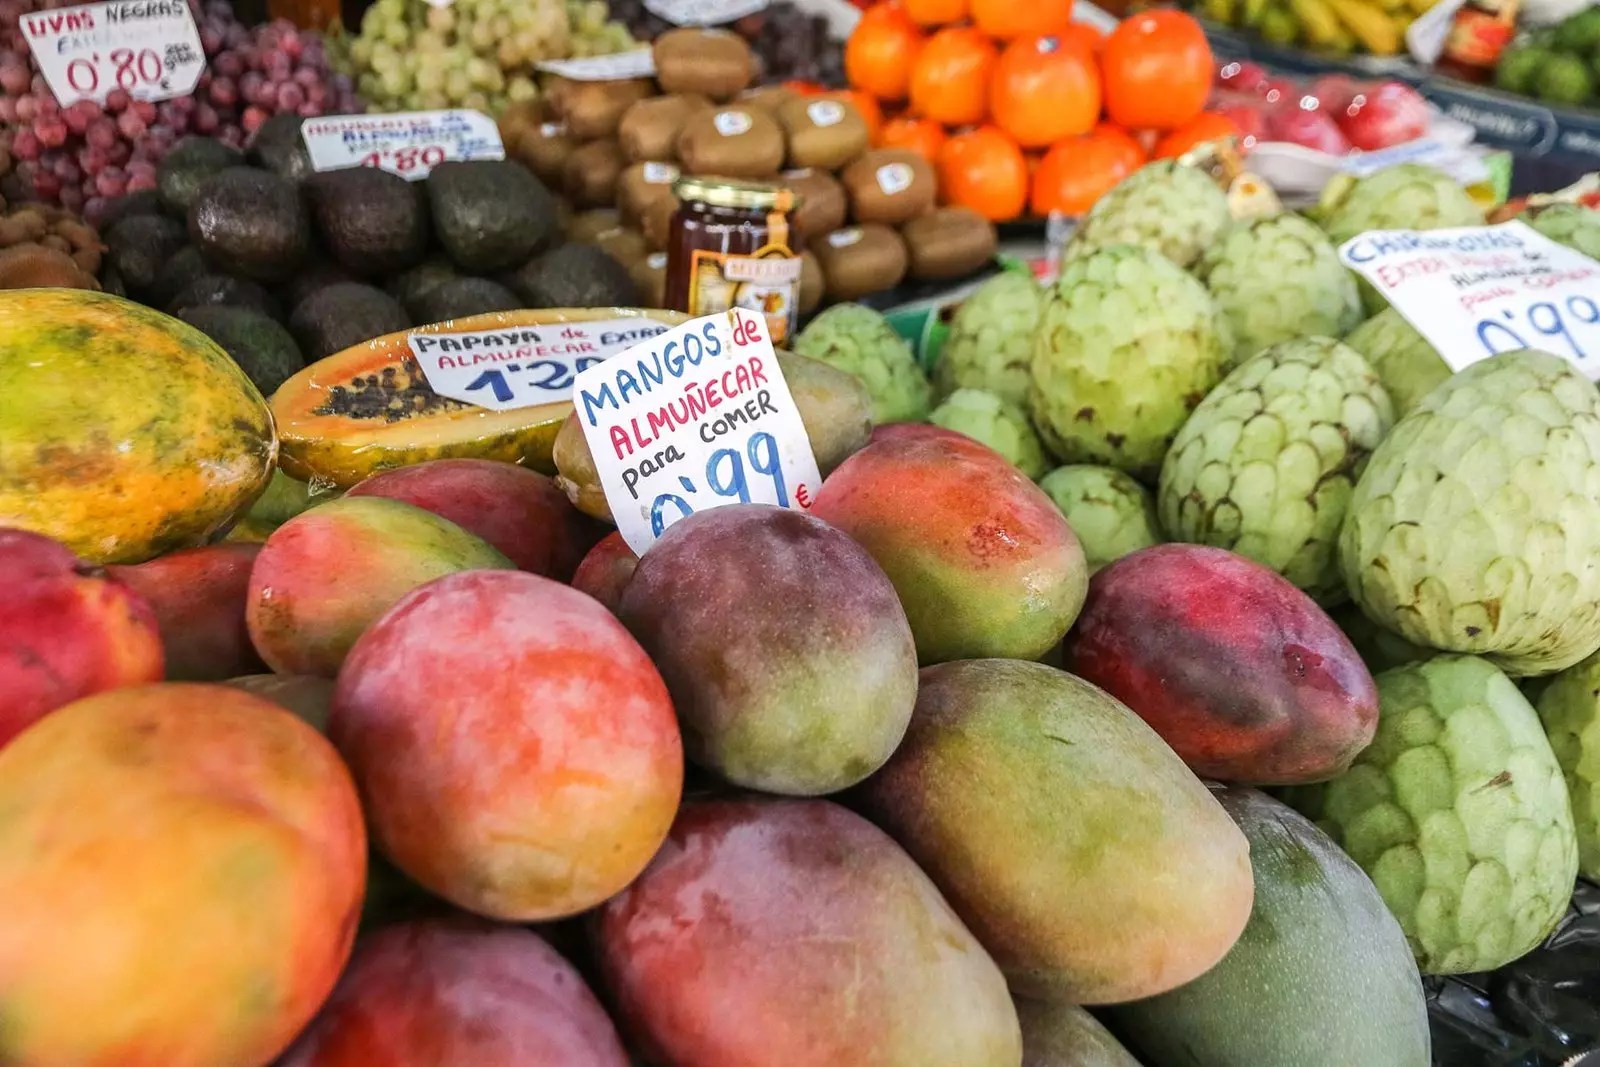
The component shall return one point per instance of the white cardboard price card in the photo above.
(694, 418)
(150, 49)
(409, 143)
(637, 63)
(1478, 291)
(703, 12)
(522, 366)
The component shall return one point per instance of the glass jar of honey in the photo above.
(731, 245)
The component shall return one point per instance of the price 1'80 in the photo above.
(1546, 319)
(406, 160)
(726, 477)
(130, 70)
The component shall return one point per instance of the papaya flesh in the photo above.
(369, 408)
(125, 433)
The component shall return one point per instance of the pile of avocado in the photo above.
(281, 265)
(1560, 64)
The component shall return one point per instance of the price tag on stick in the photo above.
(695, 418)
(149, 49)
(1478, 291)
(522, 366)
(703, 12)
(409, 143)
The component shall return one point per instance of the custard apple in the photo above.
(1569, 707)
(1127, 345)
(1266, 464)
(992, 421)
(1476, 527)
(1458, 813)
(1111, 513)
(1573, 225)
(1165, 206)
(1278, 278)
(991, 339)
(859, 341)
(1407, 365)
(1407, 196)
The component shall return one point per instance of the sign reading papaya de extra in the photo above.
(1477, 291)
(694, 418)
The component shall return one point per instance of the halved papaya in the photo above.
(369, 408)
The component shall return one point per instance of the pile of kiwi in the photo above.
(867, 218)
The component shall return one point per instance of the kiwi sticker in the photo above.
(660, 173)
(844, 238)
(694, 418)
(522, 366)
(895, 178)
(409, 144)
(826, 113)
(731, 123)
(552, 129)
(637, 63)
(656, 261)
(703, 12)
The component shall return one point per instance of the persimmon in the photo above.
(1044, 89)
(1078, 171)
(950, 78)
(923, 136)
(984, 169)
(881, 50)
(1207, 126)
(1006, 19)
(1157, 68)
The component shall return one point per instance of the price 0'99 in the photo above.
(726, 477)
(1542, 323)
(130, 71)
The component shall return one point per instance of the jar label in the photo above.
(895, 178)
(731, 123)
(826, 112)
(660, 173)
(844, 238)
(767, 283)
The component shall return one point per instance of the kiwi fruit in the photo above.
(860, 259)
(811, 283)
(717, 63)
(949, 243)
(643, 184)
(771, 97)
(823, 205)
(586, 227)
(543, 149)
(823, 133)
(657, 221)
(623, 244)
(593, 110)
(650, 278)
(649, 129)
(889, 185)
(736, 141)
(589, 177)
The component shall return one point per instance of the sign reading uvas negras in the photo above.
(697, 417)
(150, 49)
(521, 366)
(1478, 291)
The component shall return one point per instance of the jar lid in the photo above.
(737, 195)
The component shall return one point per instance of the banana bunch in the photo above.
(1333, 26)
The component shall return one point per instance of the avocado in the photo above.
(372, 222)
(111, 282)
(262, 348)
(332, 319)
(143, 202)
(139, 245)
(208, 289)
(319, 273)
(490, 215)
(251, 223)
(187, 166)
(279, 148)
(179, 269)
(460, 297)
(420, 280)
(574, 276)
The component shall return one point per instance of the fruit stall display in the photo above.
(1558, 64)
(1135, 689)
(1327, 27)
(1335, 114)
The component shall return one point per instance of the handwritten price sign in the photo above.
(409, 144)
(522, 366)
(697, 417)
(1478, 291)
(150, 49)
(703, 12)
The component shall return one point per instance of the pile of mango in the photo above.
(425, 766)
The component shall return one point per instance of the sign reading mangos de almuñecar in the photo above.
(694, 418)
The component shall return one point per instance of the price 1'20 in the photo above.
(726, 477)
(1546, 318)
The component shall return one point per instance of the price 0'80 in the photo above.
(726, 477)
(130, 71)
